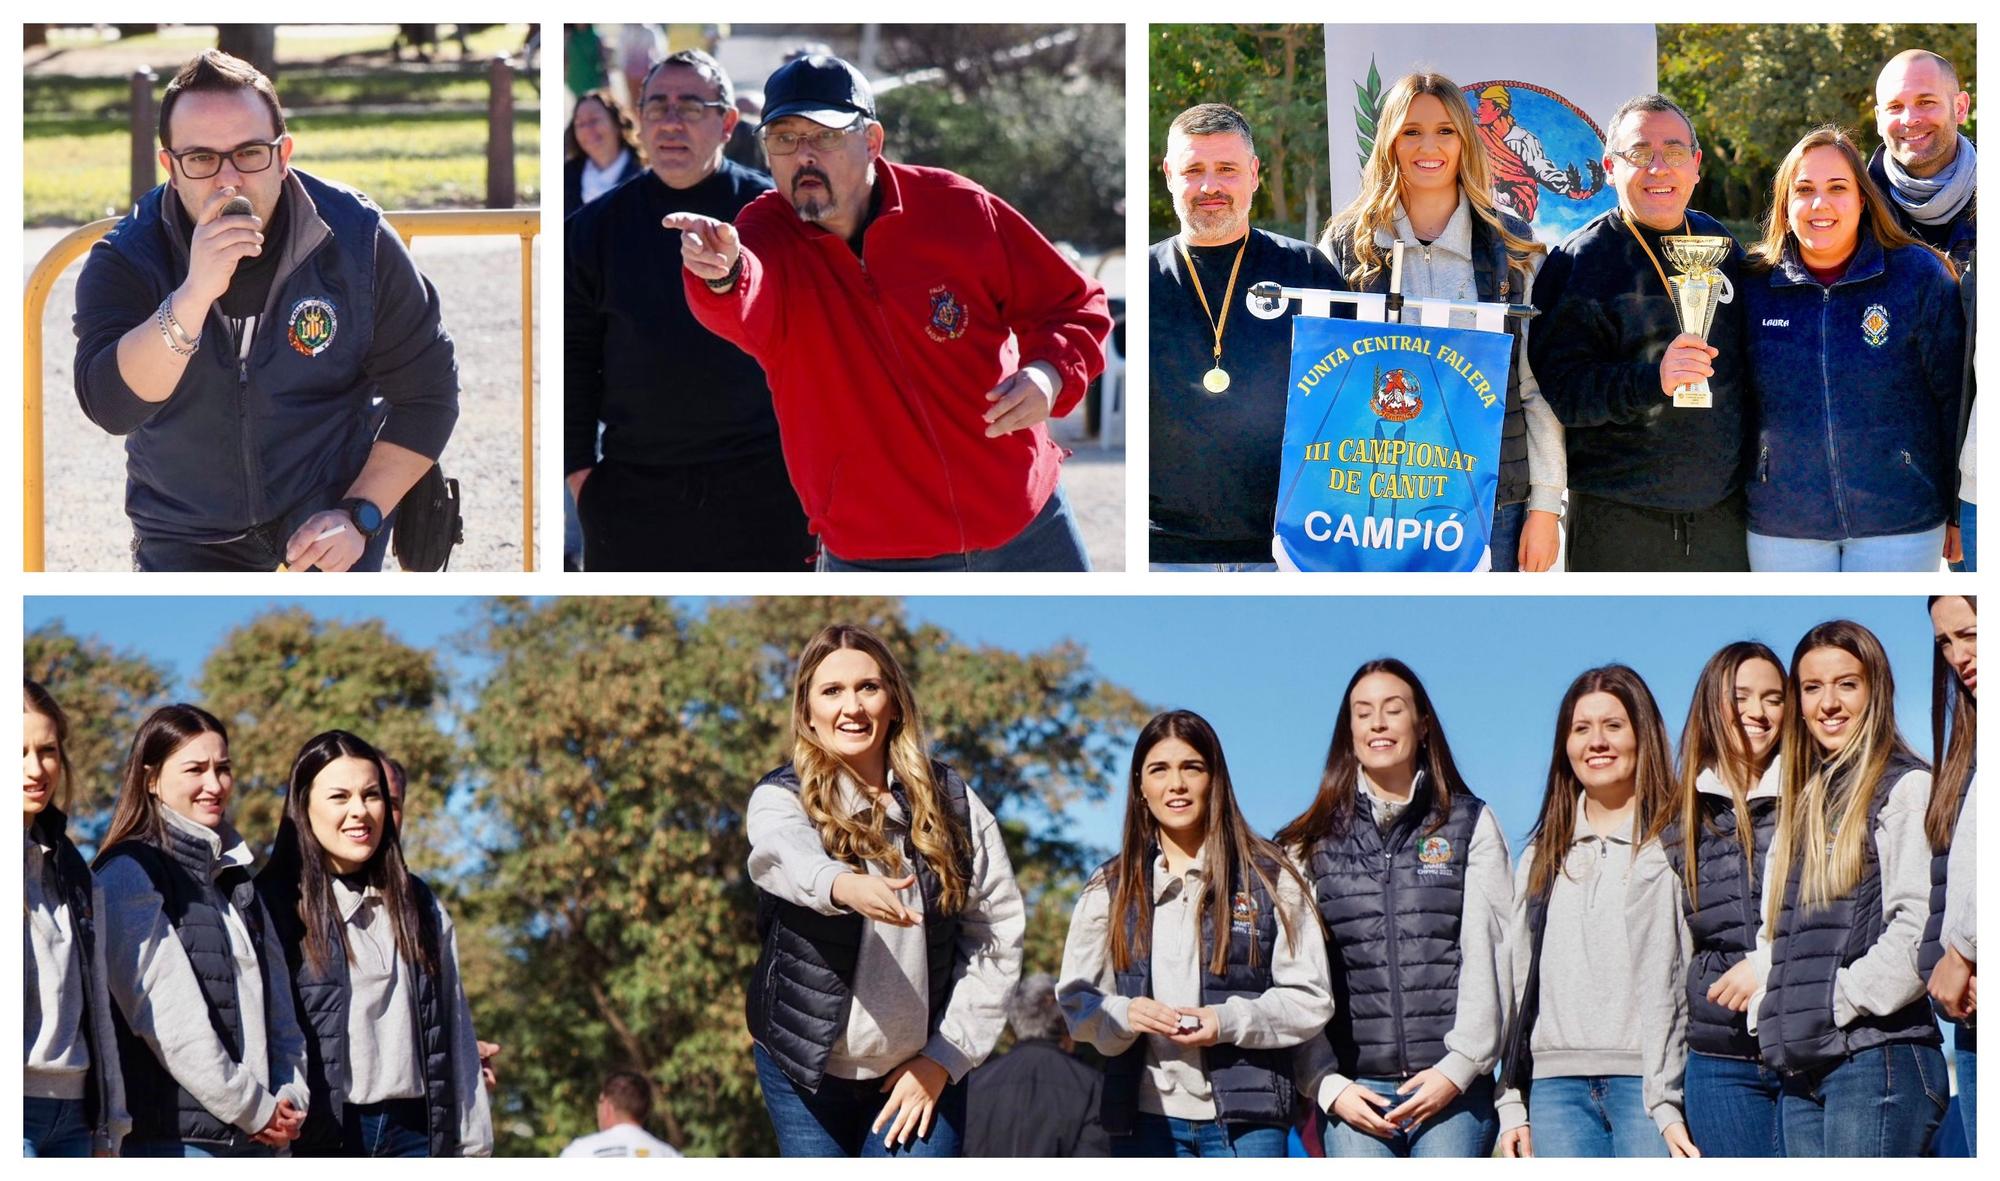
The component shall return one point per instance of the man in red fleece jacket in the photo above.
(917, 333)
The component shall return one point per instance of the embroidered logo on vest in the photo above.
(1243, 910)
(948, 316)
(1875, 325)
(312, 326)
(1435, 853)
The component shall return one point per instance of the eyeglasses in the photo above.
(683, 110)
(1674, 155)
(202, 163)
(784, 143)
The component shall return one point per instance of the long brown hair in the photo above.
(298, 859)
(933, 832)
(1954, 731)
(1231, 852)
(621, 124)
(1823, 812)
(1713, 738)
(139, 813)
(1374, 206)
(1875, 212)
(37, 700)
(1652, 783)
(1332, 809)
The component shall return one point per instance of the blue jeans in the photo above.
(834, 1120)
(1165, 1135)
(1049, 542)
(1968, 529)
(395, 1127)
(188, 1148)
(1466, 1128)
(1733, 1106)
(1592, 1115)
(1505, 541)
(1878, 1103)
(1920, 552)
(1968, 1090)
(53, 1127)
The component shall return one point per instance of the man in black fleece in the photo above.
(689, 475)
(1652, 486)
(1215, 453)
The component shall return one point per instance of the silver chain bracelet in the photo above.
(171, 331)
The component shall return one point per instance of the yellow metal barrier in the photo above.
(521, 223)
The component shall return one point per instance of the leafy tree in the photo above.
(615, 742)
(105, 694)
(287, 675)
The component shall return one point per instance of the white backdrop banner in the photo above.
(1540, 94)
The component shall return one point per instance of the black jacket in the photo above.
(628, 167)
(1606, 321)
(1035, 1100)
(1958, 238)
(1214, 484)
(242, 443)
(70, 877)
(665, 389)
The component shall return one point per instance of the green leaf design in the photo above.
(1367, 110)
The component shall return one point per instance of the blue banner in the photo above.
(1392, 446)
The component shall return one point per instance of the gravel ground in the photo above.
(478, 280)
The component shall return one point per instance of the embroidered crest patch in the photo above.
(1243, 908)
(311, 326)
(1875, 325)
(1434, 850)
(948, 316)
(1398, 396)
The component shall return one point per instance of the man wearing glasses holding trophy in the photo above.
(237, 327)
(917, 331)
(1639, 351)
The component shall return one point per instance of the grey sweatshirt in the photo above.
(155, 988)
(1485, 975)
(1961, 887)
(889, 1021)
(383, 1057)
(54, 1007)
(1296, 1007)
(1588, 1023)
(1444, 270)
(1885, 978)
(1662, 946)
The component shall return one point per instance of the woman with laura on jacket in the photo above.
(1692, 911)
(889, 916)
(1856, 342)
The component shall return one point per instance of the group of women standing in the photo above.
(1722, 954)
(1856, 337)
(180, 1004)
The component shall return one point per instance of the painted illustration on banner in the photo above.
(1392, 446)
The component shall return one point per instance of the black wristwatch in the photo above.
(364, 514)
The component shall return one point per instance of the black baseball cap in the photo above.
(819, 87)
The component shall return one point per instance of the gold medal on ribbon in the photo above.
(1216, 380)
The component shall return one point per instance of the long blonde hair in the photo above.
(1875, 213)
(1374, 207)
(933, 832)
(1823, 810)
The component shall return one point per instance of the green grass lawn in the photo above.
(77, 171)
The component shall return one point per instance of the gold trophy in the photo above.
(1696, 291)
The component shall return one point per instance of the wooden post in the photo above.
(500, 134)
(145, 121)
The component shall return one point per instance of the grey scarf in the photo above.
(1935, 200)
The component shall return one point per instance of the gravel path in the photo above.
(479, 281)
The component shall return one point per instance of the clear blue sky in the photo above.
(1265, 671)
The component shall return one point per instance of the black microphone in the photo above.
(236, 205)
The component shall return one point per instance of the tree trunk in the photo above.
(256, 44)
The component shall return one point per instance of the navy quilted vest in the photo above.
(1392, 904)
(1724, 918)
(804, 980)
